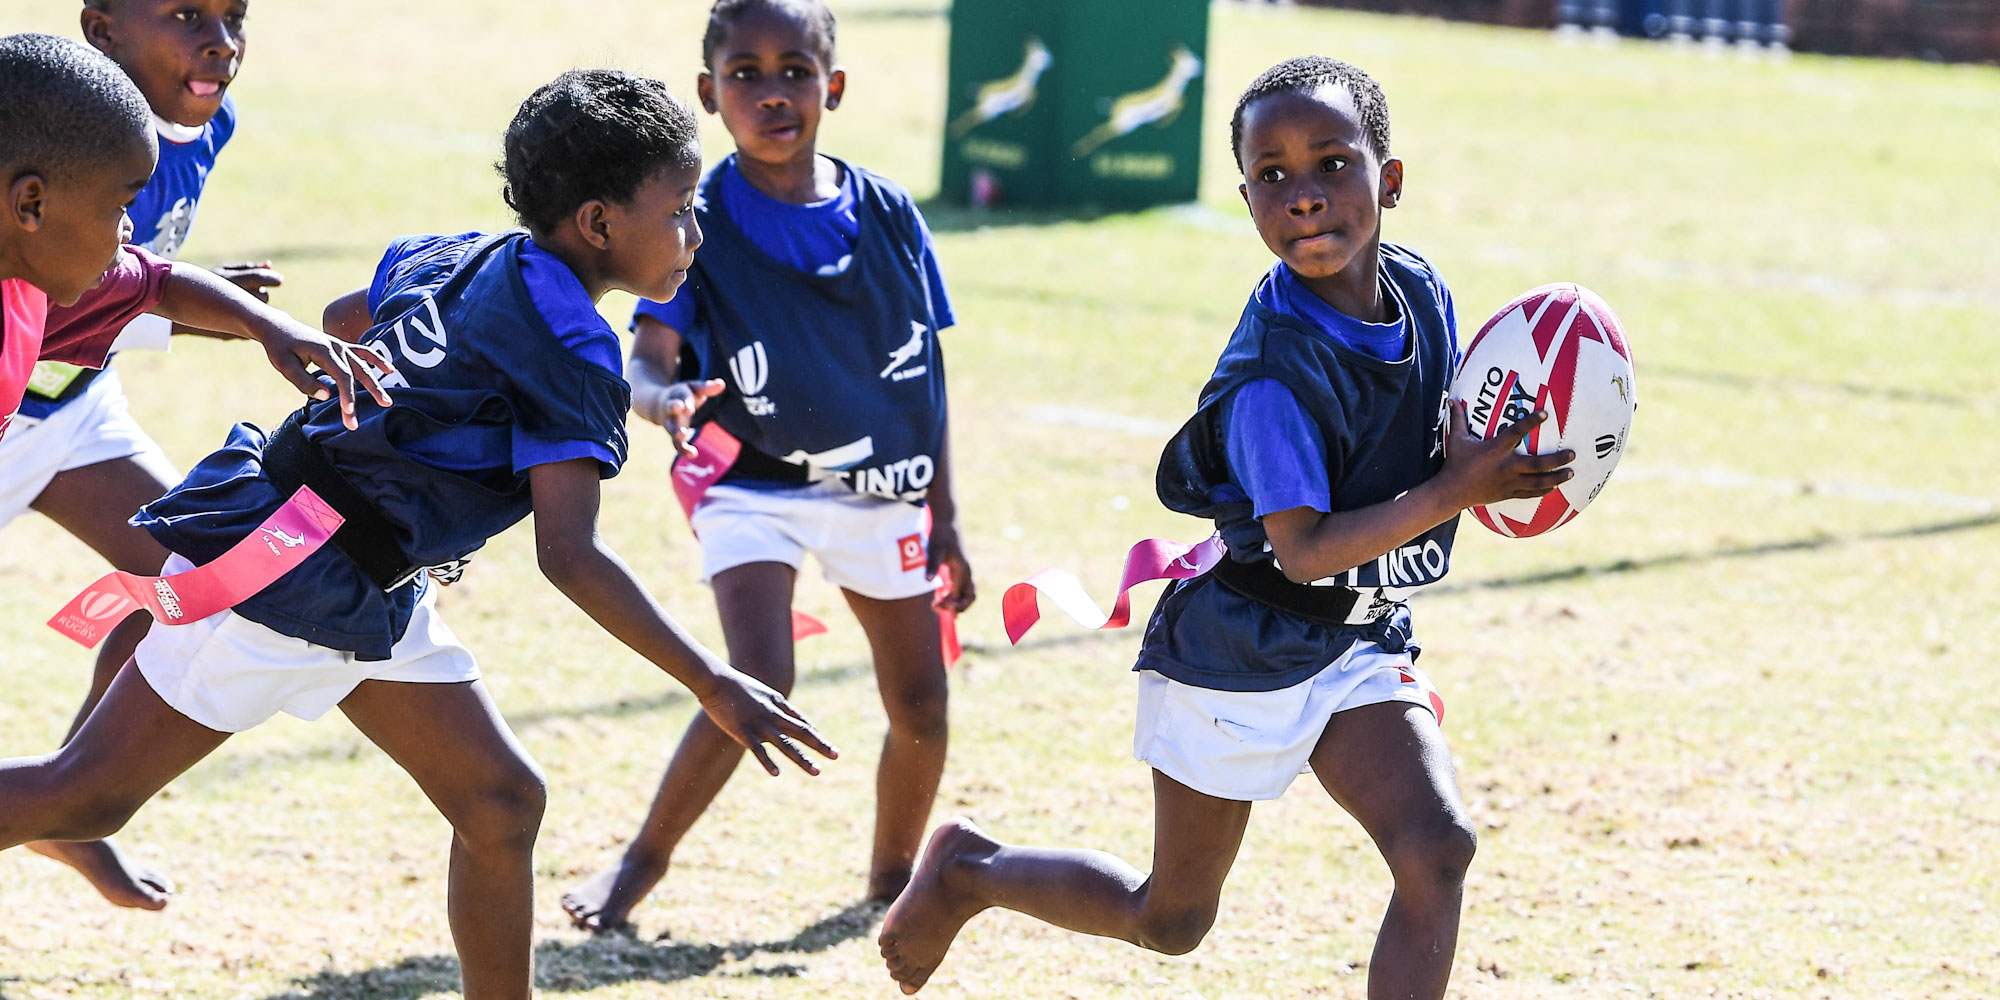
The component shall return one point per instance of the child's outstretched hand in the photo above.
(293, 347)
(253, 278)
(753, 714)
(948, 556)
(673, 407)
(1487, 470)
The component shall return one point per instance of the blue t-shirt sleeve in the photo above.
(677, 312)
(569, 312)
(934, 274)
(530, 452)
(1276, 453)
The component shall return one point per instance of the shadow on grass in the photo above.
(600, 961)
(1675, 559)
(1865, 390)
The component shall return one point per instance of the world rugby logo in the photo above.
(100, 605)
(751, 368)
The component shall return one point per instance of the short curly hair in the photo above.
(1305, 74)
(64, 106)
(814, 12)
(592, 134)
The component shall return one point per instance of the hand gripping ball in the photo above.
(1559, 348)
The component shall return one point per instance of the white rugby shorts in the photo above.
(230, 673)
(871, 546)
(1249, 745)
(95, 427)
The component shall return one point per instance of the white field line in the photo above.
(1207, 218)
(1088, 418)
(1867, 493)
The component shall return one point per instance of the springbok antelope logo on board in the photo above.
(1011, 95)
(1158, 104)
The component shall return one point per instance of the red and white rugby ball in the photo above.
(1558, 348)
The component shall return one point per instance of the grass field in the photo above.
(1734, 734)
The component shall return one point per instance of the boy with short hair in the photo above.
(1321, 443)
(813, 313)
(510, 403)
(76, 146)
(74, 452)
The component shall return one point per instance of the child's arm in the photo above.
(198, 297)
(254, 278)
(656, 352)
(1312, 546)
(945, 549)
(347, 317)
(575, 559)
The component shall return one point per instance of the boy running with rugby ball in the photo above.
(1323, 449)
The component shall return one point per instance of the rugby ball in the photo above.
(1559, 348)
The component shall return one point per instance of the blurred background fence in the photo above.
(1947, 30)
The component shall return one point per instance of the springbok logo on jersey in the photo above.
(1010, 95)
(1158, 104)
(752, 369)
(902, 355)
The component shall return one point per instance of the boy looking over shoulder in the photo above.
(1323, 447)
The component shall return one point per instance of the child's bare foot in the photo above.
(116, 877)
(884, 887)
(926, 918)
(605, 902)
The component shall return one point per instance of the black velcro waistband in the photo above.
(366, 537)
(753, 464)
(1264, 582)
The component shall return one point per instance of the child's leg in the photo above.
(963, 871)
(93, 503)
(130, 747)
(909, 669)
(755, 603)
(452, 740)
(1387, 765)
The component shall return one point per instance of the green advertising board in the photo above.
(1074, 102)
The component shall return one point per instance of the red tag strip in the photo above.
(1152, 559)
(283, 541)
(947, 618)
(715, 451)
